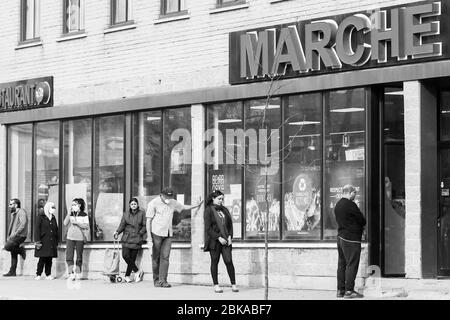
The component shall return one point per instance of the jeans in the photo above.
(73, 245)
(160, 257)
(13, 246)
(348, 262)
(129, 255)
(47, 262)
(226, 256)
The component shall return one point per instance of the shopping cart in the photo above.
(111, 266)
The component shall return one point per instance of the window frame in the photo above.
(81, 18)
(128, 13)
(36, 22)
(224, 4)
(164, 13)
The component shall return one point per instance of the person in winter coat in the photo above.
(133, 226)
(46, 239)
(218, 237)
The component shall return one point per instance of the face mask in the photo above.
(51, 210)
(12, 209)
(75, 208)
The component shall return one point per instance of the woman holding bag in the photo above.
(78, 233)
(46, 239)
(218, 237)
(133, 226)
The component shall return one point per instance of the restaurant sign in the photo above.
(397, 35)
(26, 94)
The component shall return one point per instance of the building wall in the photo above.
(163, 58)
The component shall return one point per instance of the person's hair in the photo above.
(134, 199)
(213, 195)
(81, 203)
(348, 188)
(16, 201)
(168, 192)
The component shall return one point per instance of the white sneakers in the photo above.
(128, 280)
(37, 278)
(139, 276)
(50, 277)
(72, 276)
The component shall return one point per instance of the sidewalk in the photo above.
(26, 288)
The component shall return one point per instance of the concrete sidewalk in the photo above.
(24, 287)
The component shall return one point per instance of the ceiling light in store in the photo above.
(394, 93)
(229, 120)
(153, 118)
(445, 111)
(343, 110)
(270, 106)
(303, 123)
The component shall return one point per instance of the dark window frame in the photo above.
(65, 30)
(164, 13)
(24, 23)
(128, 14)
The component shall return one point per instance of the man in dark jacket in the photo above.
(351, 224)
(17, 233)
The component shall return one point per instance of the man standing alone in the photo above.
(17, 233)
(351, 224)
(159, 225)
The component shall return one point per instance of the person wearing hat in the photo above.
(159, 225)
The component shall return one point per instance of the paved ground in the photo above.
(24, 288)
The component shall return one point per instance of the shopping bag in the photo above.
(111, 261)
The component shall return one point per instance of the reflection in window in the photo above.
(344, 150)
(30, 19)
(73, 15)
(108, 184)
(77, 165)
(19, 169)
(262, 160)
(224, 169)
(46, 186)
(147, 172)
(302, 166)
(177, 165)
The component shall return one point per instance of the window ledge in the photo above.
(169, 18)
(107, 245)
(275, 1)
(72, 36)
(120, 27)
(229, 8)
(287, 245)
(23, 45)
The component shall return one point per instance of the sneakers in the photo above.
(72, 276)
(218, 289)
(165, 285)
(49, 277)
(139, 276)
(10, 274)
(234, 288)
(157, 284)
(77, 276)
(128, 279)
(340, 293)
(37, 278)
(353, 295)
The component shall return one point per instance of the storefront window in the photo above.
(108, 174)
(262, 170)
(147, 173)
(223, 151)
(177, 164)
(344, 151)
(19, 169)
(46, 187)
(77, 165)
(302, 166)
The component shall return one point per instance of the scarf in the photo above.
(223, 234)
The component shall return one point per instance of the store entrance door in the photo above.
(444, 214)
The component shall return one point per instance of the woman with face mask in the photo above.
(46, 238)
(78, 233)
(218, 237)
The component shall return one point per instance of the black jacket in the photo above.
(212, 231)
(350, 220)
(133, 228)
(46, 232)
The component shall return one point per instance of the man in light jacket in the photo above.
(17, 233)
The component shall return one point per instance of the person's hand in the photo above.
(229, 240)
(222, 241)
(115, 235)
